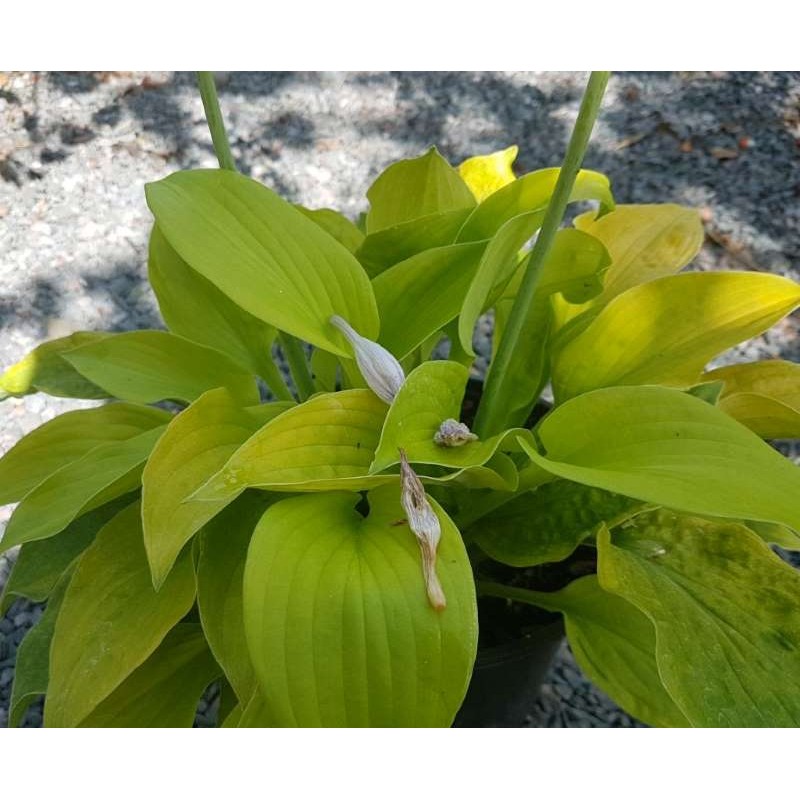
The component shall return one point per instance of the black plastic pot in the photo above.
(507, 680)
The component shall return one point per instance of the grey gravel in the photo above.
(76, 148)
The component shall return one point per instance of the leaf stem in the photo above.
(490, 417)
(216, 125)
(274, 380)
(298, 365)
(546, 600)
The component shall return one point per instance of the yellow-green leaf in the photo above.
(431, 394)
(726, 615)
(197, 310)
(68, 437)
(338, 622)
(486, 174)
(414, 188)
(103, 474)
(164, 691)
(111, 619)
(419, 296)
(220, 568)
(44, 370)
(336, 224)
(326, 443)
(666, 447)
(764, 396)
(264, 254)
(666, 330)
(547, 524)
(645, 242)
(195, 445)
(531, 192)
(149, 366)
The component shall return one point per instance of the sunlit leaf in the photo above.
(264, 254)
(431, 394)
(666, 447)
(725, 610)
(195, 445)
(547, 524)
(111, 619)
(44, 370)
(650, 333)
(414, 188)
(338, 622)
(103, 474)
(68, 437)
(486, 174)
(164, 691)
(764, 396)
(328, 442)
(197, 310)
(337, 225)
(531, 192)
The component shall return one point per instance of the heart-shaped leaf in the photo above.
(195, 445)
(111, 619)
(264, 254)
(666, 447)
(725, 610)
(68, 437)
(650, 333)
(149, 366)
(337, 618)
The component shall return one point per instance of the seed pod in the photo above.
(424, 523)
(381, 370)
(453, 433)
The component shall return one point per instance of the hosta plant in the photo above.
(321, 545)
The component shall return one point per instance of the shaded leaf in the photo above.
(547, 524)
(220, 567)
(32, 666)
(66, 439)
(195, 445)
(264, 254)
(40, 564)
(111, 619)
(149, 366)
(650, 333)
(44, 370)
(164, 691)
(365, 647)
(666, 447)
(103, 474)
(725, 610)
(414, 188)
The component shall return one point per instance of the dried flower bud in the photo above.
(453, 433)
(424, 523)
(381, 370)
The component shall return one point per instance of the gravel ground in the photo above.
(76, 148)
